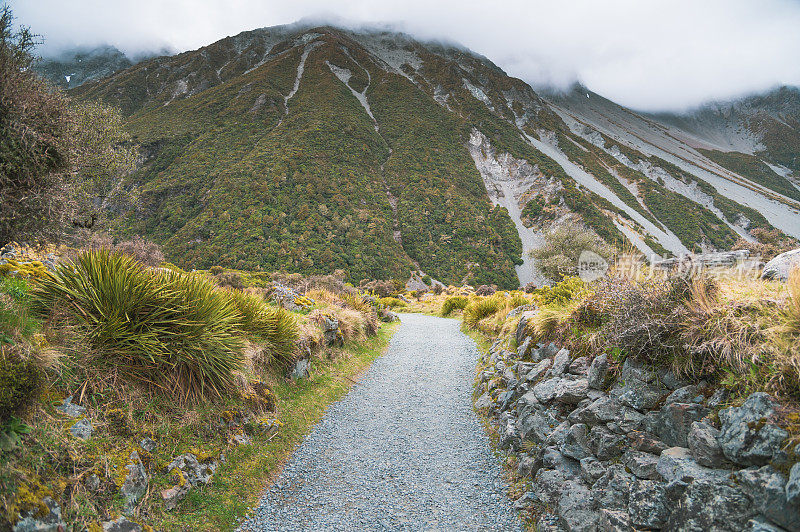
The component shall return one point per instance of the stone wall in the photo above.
(622, 447)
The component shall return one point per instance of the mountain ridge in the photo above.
(404, 113)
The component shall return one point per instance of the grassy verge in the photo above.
(249, 469)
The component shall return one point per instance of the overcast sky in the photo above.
(650, 55)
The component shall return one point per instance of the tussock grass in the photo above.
(453, 303)
(174, 332)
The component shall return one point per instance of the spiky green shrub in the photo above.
(563, 292)
(480, 308)
(176, 332)
(391, 302)
(454, 303)
(273, 327)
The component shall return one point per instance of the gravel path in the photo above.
(402, 451)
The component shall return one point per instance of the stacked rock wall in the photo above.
(623, 447)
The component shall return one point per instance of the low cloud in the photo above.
(654, 55)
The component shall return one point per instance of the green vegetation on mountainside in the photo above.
(754, 169)
(236, 181)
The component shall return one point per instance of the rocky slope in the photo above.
(72, 68)
(316, 148)
(618, 447)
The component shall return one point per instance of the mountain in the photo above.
(74, 67)
(310, 149)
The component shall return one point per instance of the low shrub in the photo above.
(480, 308)
(391, 302)
(454, 303)
(563, 245)
(20, 380)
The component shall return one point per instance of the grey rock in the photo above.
(679, 469)
(598, 371)
(646, 442)
(571, 392)
(746, 436)
(135, 485)
(579, 366)
(121, 525)
(641, 396)
(553, 459)
(71, 409)
(614, 521)
(575, 507)
(600, 411)
(33, 522)
(670, 380)
(591, 469)
(545, 391)
(528, 466)
(643, 465)
(719, 396)
(537, 426)
(711, 505)
(559, 435)
(704, 446)
(547, 485)
(483, 402)
(605, 445)
(686, 394)
(611, 490)
(766, 487)
(629, 419)
(576, 442)
(524, 348)
(549, 523)
(82, 429)
(194, 472)
(300, 369)
(778, 268)
(675, 421)
(148, 445)
(521, 331)
(560, 363)
(648, 505)
(793, 486)
(538, 371)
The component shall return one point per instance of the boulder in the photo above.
(711, 505)
(598, 371)
(135, 485)
(591, 469)
(545, 391)
(600, 411)
(641, 464)
(575, 507)
(648, 505)
(778, 269)
(483, 402)
(605, 445)
(759, 524)
(42, 519)
(614, 521)
(537, 426)
(560, 363)
(579, 366)
(686, 394)
(679, 469)
(571, 392)
(766, 487)
(793, 486)
(675, 420)
(190, 473)
(148, 444)
(611, 490)
(528, 466)
(747, 437)
(547, 485)
(704, 446)
(538, 371)
(576, 442)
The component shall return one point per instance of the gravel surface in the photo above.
(402, 451)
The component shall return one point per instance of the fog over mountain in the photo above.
(654, 56)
